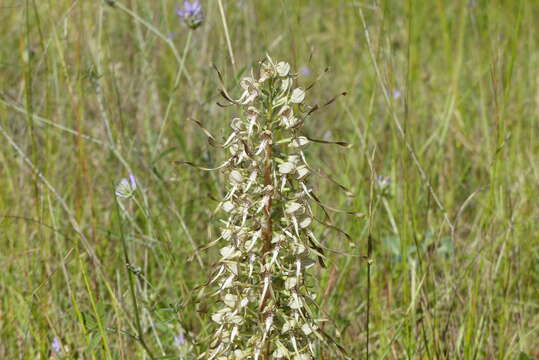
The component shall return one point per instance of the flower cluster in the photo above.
(191, 13)
(268, 247)
(126, 188)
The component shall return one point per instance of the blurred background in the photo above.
(442, 110)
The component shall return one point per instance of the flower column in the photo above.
(261, 275)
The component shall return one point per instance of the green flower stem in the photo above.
(175, 87)
(140, 333)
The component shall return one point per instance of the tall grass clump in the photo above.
(267, 248)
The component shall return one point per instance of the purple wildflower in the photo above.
(327, 134)
(56, 345)
(305, 71)
(132, 181)
(179, 340)
(396, 94)
(126, 187)
(191, 13)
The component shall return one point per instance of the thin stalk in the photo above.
(149, 26)
(98, 318)
(176, 83)
(400, 129)
(140, 336)
(41, 120)
(390, 216)
(228, 43)
(372, 207)
(369, 263)
(70, 215)
(28, 85)
(268, 228)
(268, 153)
(267, 233)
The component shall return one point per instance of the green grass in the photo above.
(92, 92)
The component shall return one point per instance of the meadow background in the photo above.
(442, 98)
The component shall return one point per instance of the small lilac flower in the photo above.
(56, 345)
(383, 181)
(327, 134)
(126, 187)
(191, 13)
(396, 94)
(305, 71)
(179, 340)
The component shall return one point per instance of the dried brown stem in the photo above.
(268, 226)
(267, 232)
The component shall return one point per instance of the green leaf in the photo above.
(393, 245)
(446, 247)
(163, 154)
(94, 342)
